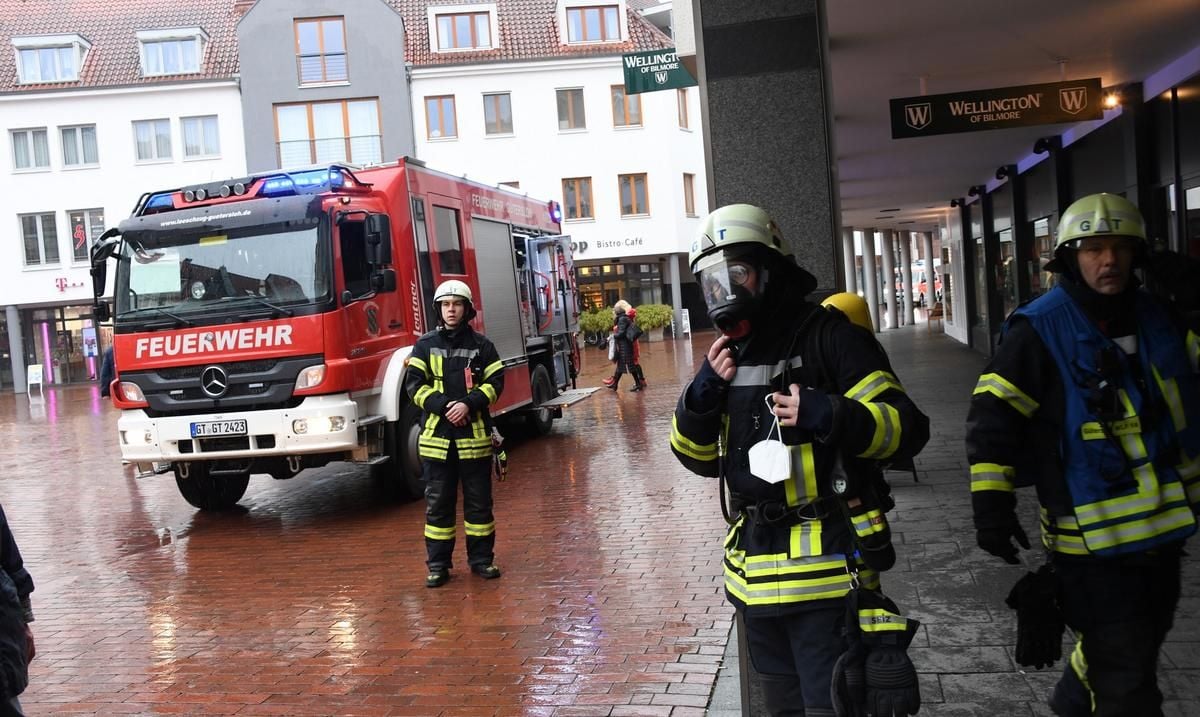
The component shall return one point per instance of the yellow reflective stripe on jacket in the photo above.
(992, 476)
(492, 368)
(1170, 393)
(878, 620)
(791, 585)
(1193, 350)
(804, 538)
(695, 451)
(435, 533)
(489, 392)
(869, 522)
(479, 530)
(419, 364)
(1062, 535)
(1148, 498)
(436, 365)
(874, 384)
(1144, 529)
(886, 440)
(1003, 389)
(422, 395)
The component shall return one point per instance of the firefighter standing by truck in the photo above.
(1095, 385)
(453, 375)
(784, 367)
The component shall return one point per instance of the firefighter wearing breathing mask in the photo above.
(1092, 395)
(793, 408)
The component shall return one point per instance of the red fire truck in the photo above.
(263, 324)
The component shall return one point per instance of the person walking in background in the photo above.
(108, 372)
(453, 375)
(634, 332)
(16, 612)
(625, 335)
(1093, 396)
(793, 408)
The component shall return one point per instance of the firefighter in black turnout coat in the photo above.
(796, 545)
(453, 375)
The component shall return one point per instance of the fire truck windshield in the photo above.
(184, 275)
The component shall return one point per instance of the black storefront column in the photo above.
(763, 69)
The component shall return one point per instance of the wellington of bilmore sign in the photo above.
(655, 70)
(999, 108)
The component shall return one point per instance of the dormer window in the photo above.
(457, 28)
(588, 21)
(49, 58)
(177, 51)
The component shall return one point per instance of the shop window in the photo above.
(86, 227)
(321, 50)
(570, 109)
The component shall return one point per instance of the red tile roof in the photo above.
(111, 27)
(528, 31)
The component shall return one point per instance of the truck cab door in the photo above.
(371, 307)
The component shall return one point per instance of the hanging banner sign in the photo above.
(1000, 108)
(655, 70)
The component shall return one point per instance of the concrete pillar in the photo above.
(906, 306)
(870, 276)
(16, 348)
(676, 297)
(848, 264)
(930, 276)
(887, 257)
(772, 56)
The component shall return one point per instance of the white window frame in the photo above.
(29, 133)
(563, 30)
(41, 236)
(75, 43)
(156, 158)
(88, 230)
(154, 39)
(204, 154)
(431, 17)
(62, 139)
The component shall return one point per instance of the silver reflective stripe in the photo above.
(867, 392)
(456, 353)
(763, 374)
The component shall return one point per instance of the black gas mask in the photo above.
(733, 283)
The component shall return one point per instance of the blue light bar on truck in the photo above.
(297, 182)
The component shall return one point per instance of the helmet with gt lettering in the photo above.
(1097, 215)
(454, 289)
(733, 257)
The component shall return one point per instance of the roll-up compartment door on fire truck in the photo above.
(555, 294)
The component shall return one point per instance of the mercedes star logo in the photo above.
(214, 381)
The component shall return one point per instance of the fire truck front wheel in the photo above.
(206, 491)
(402, 474)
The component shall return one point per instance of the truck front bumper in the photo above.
(320, 424)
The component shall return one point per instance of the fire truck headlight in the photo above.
(310, 377)
(131, 393)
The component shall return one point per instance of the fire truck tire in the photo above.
(401, 475)
(207, 492)
(540, 421)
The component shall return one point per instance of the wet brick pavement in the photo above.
(309, 600)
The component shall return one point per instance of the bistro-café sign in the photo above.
(999, 108)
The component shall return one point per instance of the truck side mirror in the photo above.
(99, 278)
(379, 239)
(384, 280)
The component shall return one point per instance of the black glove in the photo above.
(996, 524)
(892, 687)
(849, 693)
(1039, 623)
